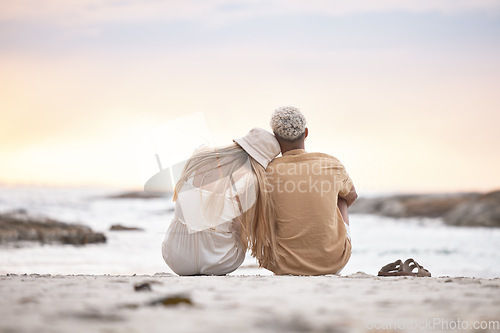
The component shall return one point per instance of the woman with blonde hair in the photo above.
(222, 207)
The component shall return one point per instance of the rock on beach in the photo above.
(18, 226)
(483, 210)
(462, 209)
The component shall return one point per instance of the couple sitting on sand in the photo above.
(291, 211)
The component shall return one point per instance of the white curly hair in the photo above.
(288, 123)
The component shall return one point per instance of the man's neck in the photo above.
(291, 146)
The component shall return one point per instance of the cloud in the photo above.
(215, 12)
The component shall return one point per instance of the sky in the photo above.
(404, 93)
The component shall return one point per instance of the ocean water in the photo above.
(443, 250)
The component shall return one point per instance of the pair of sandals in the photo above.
(399, 268)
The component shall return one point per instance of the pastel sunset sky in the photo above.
(405, 93)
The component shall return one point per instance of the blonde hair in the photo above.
(256, 226)
(261, 227)
(288, 123)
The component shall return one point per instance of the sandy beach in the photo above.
(275, 121)
(168, 303)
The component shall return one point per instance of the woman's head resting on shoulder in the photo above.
(261, 145)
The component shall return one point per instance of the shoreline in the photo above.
(237, 303)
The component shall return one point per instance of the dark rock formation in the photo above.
(19, 226)
(483, 210)
(414, 205)
(138, 195)
(462, 209)
(119, 227)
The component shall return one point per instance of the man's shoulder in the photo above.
(323, 156)
(315, 156)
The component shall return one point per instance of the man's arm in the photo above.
(342, 204)
(350, 197)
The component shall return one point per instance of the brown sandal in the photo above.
(398, 268)
(392, 269)
(410, 264)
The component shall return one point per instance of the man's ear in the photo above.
(306, 133)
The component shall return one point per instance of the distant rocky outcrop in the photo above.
(119, 227)
(411, 205)
(483, 210)
(465, 209)
(18, 226)
(137, 195)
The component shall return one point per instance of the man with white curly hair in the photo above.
(311, 193)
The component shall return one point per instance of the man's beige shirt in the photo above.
(311, 234)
